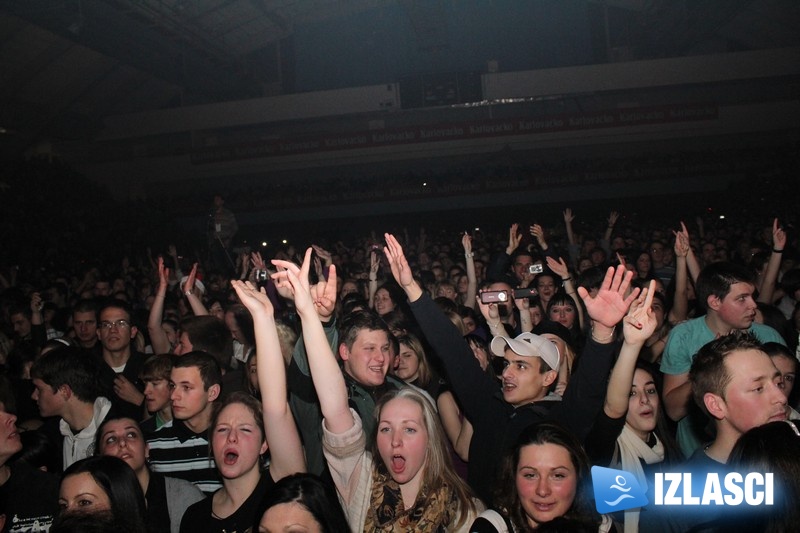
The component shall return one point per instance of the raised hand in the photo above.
(323, 254)
(466, 242)
(189, 285)
(374, 265)
(163, 276)
(514, 238)
(489, 311)
(640, 322)
(293, 280)
(612, 218)
(401, 271)
(778, 236)
(610, 304)
(559, 267)
(568, 216)
(257, 261)
(254, 299)
(538, 233)
(682, 247)
(324, 295)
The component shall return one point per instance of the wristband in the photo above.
(471, 254)
(566, 279)
(611, 336)
(188, 293)
(775, 250)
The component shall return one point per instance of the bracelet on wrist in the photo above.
(775, 250)
(373, 279)
(471, 254)
(187, 293)
(603, 339)
(564, 280)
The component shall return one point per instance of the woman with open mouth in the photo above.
(404, 480)
(630, 433)
(244, 429)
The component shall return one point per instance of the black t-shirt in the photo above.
(200, 517)
(31, 498)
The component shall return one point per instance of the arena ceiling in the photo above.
(67, 64)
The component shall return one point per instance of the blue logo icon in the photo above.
(616, 490)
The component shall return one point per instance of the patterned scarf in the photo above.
(431, 513)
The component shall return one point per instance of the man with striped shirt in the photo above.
(180, 448)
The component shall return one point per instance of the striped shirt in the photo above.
(176, 451)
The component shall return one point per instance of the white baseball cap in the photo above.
(528, 345)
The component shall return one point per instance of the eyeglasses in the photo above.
(119, 324)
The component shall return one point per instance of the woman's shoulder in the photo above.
(197, 515)
(490, 521)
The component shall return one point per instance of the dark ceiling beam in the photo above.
(110, 28)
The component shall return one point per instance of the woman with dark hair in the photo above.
(167, 498)
(773, 447)
(301, 499)
(103, 483)
(240, 324)
(544, 476)
(563, 309)
(643, 265)
(630, 433)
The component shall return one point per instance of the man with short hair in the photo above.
(364, 345)
(121, 363)
(155, 375)
(180, 449)
(66, 386)
(726, 291)
(20, 318)
(208, 334)
(736, 383)
(84, 325)
(531, 370)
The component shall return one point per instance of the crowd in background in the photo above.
(452, 318)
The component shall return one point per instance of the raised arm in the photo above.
(680, 304)
(172, 251)
(472, 279)
(514, 238)
(637, 327)
(325, 372)
(537, 232)
(767, 291)
(191, 293)
(612, 220)
(560, 267)
(374, 266)
(158, 339)
(568, 218)
(286, 449)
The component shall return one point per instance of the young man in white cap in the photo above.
(531, 364)
(530, 368)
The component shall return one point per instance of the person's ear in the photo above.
(264, 447)
(134, 331)
(65, 391)
(344, 353)
(550, 377)
(714, 302)
(715, 405)
(213, 392)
